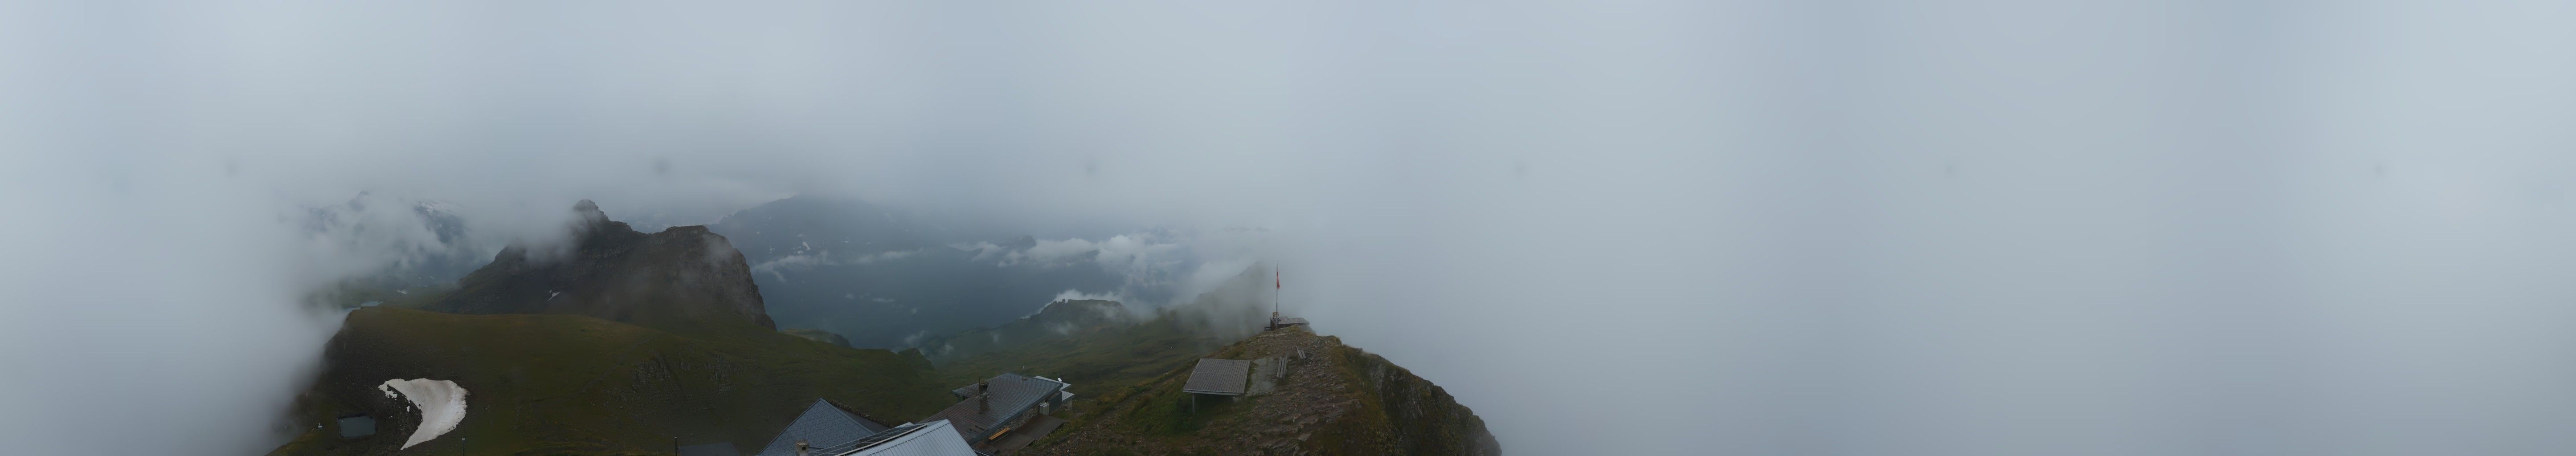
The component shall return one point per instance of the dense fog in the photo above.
(1609, 227)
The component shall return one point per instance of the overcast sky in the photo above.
(1610, 227)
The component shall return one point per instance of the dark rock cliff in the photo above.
(681, 279)
(1426, 419)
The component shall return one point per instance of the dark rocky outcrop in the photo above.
(683, 279)
(1427, 420)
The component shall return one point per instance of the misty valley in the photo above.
(827, 328)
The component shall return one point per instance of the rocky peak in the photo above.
(587, 216)
(683, 278)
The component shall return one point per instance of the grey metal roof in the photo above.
(1219, 376)
(1011, 395)
(936, 438)
(1290, 321)
(871, 440)
(822, 425)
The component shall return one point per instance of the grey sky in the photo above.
(1859, 227)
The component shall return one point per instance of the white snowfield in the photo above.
(441, 404)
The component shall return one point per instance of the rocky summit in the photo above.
(684, 279)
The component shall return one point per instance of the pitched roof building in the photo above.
(993, 406)
(1277, 322)
(934, 438)
(823, 424)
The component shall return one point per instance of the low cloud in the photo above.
(778, 267)
(2120, 227)
(809, 259)
(884, 256)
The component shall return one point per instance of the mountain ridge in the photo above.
(684, 278)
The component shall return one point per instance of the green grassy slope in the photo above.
(1329, 399)
(1058, 320)
(569, 384)
(1100, 347)
(1097, 360)
(818, 335)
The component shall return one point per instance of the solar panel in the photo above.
(1219, 376)
(1223, 366)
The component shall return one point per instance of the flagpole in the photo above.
(1274, 290)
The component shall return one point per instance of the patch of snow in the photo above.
(884, 256)
(779, 267)
(1070, 294)
(441, 403)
